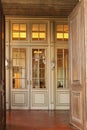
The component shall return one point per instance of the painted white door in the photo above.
(77, 67)
(19, 85)
(62, 79)
(39, 79)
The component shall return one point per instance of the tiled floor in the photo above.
(38, 120)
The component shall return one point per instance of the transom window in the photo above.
(62, 32)
(19, 31)
(39, 31)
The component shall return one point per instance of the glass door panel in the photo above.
(62, 68)
(19, 68)
(39, 68)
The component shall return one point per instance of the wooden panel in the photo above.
(75, 50)
(39, 99)
(19, 99)
(39, 7)
(77, 106)
(62, 99)
(77, 67)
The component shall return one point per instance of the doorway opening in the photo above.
(37, 72)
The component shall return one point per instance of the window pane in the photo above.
(15, 27)
(59, 35)
(15, 34)
(60, 72)
(38, 68)
(66, 36)
(62, 32)
(14, 53)
(42, 61)
(60, 76)
(62, 68)
(42, 35)
(23, 35)
(66, 67)
(19, 68)
(59, 28)
(66, 28)
(39, 32)
(35, 35)
(19, 31)
(60, 83)
(23, 27)
(35, 83)
(42, 83)
(35, 27)
(66, 32)
(42, 27)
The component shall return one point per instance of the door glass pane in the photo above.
(39, 68)
(62, 68)
(19, 68)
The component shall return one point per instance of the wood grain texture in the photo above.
(38, 120)
(51, 8)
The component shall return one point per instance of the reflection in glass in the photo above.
(38, 68)
(18, 68)
(62, 68)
